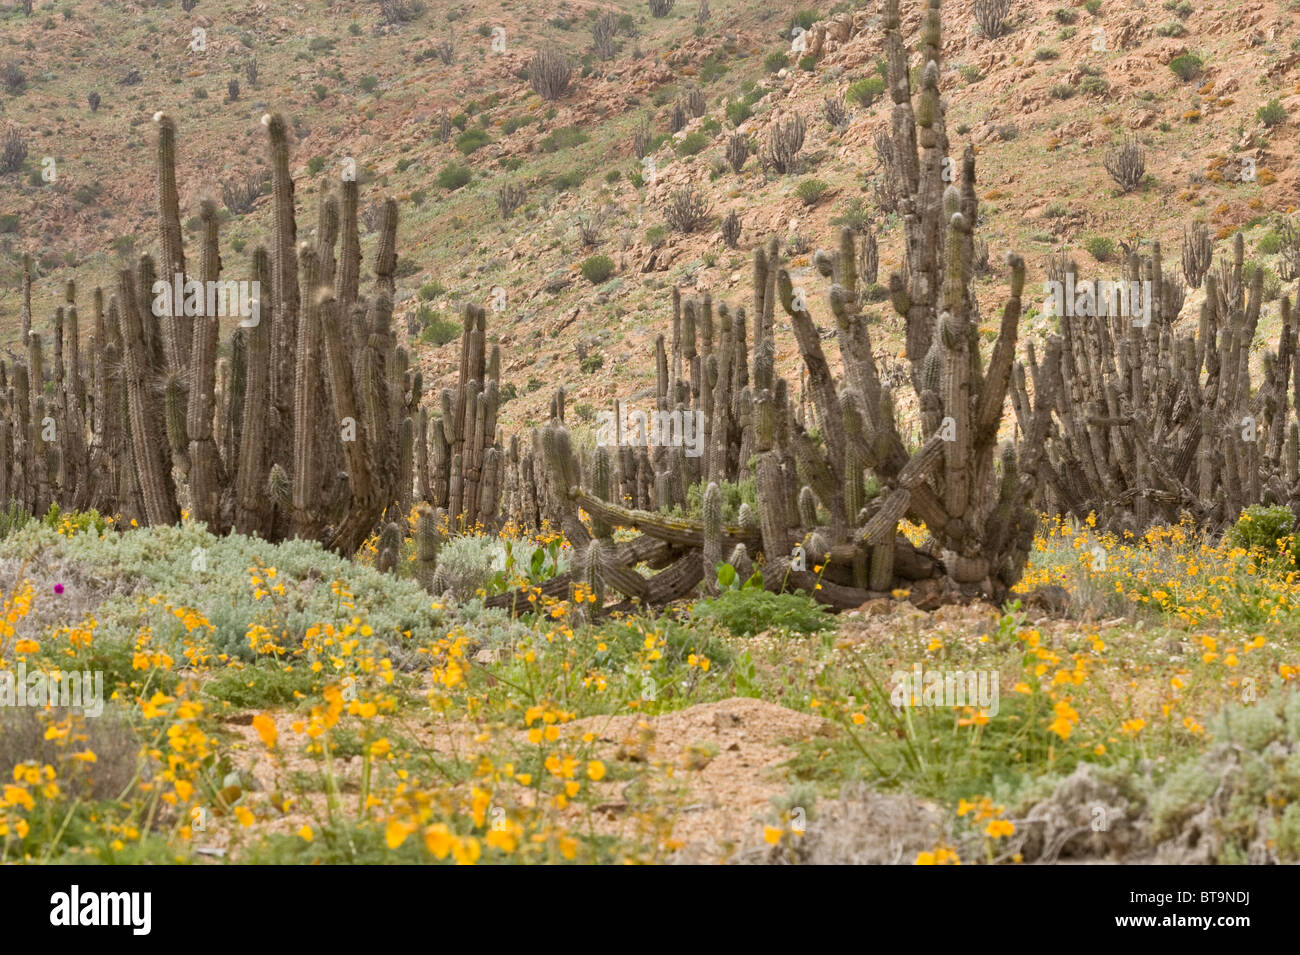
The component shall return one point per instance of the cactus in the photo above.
(711, 553)
(390, 544)
(463, 447)
(974, 502)
(1149, 424)
(244, 441)
(428, 541)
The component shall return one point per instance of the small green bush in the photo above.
(597, 269)
(1271, 113)
(1094, 86)
(865, 91)
(750, 610)
(1187, 66)
(692, 143)
(1268, 529)
(515, 123)
(439, 331)
(472, 140)
(1100, 248)
(737, 112)
(810, 190)
(452, 176)
(775, 62)
(465, 566)
(569, 180)
(563, 138)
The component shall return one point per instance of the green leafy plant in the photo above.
(452, 176)
(750, 610)
(1187, 66)
(597, 269)
(1267, 529)
(865, 91)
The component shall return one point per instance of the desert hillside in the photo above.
(670, 431)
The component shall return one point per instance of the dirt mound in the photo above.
(721, 764)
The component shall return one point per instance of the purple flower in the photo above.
(58, 588)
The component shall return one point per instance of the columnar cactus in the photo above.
(463, 448)
(1149, 424)
(298, 431)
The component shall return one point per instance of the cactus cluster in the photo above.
(1149, 424)
(459, 459)
(300, 426)
(811, 457)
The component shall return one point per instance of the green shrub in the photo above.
(1271, 113)
(775, 62)
(188, 567)
(465, 566)
(569, 180)
(453, 175)
(518, 122)
(563, 138)
(439, 331)
(431, 290)
(865, 91)
(1061, 91)
(597, 269)
(734, 494)
(13, 518)
(1094, 86)
(810, 190)
(472, 140)
(1187, 66)
(856, 216)
(264, 685)
(74, 522)
(751, 610)
(592, 363)
(1268, 529)
(692, 143)
(1100, 248)
(737, 112)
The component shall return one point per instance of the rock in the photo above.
(1052, 598)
